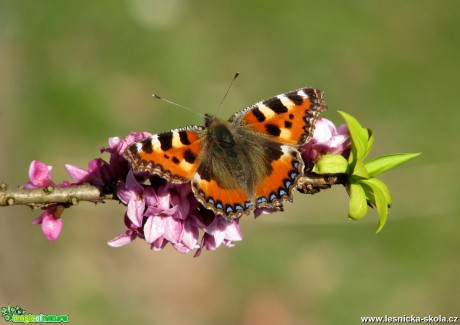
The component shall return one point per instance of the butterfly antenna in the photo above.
(176, 104)
(226, 93)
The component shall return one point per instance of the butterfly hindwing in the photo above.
(277, 186)
(287, 118)
(173, 155)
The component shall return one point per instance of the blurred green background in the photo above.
(73, 73)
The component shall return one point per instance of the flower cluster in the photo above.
(50, 220)
(160, 212)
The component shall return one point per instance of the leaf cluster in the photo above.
(363, 187)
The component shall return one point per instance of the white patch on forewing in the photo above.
(155, 142)
(139, 146)
(286, 102)
(268, 113)
(302, 93)
(176, 140)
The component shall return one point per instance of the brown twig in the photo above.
(312, 183)
(43, 196)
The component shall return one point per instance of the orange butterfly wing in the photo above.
(288, 118)
(173, 155)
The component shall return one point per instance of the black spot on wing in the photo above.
(189, 156)
(166, 141)
(184, 138)
(175, 160)
(295, 98)
(273, 129)
(275, 105)
(287, 124)
(258, 114)
(147, 146)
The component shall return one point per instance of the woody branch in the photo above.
(39, 197)
(43, 196)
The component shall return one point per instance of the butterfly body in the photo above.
(249, 161)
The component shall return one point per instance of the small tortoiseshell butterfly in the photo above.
(250, 161)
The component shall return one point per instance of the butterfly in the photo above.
(237, 165)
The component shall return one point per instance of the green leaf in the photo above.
(369, 195)
(370, 142)
(331, 164)
(381, 203)
(360, 169)
(381, 197)
(352, 157)
(382, 164)
(375, 182)
(358, 203)
(358, 134)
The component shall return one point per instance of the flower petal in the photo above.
(78, 174)
(173, 229)
(154, 211)
(122, 239)
(150, 196)
(39, 220)
(132, 184)
(123, 193)
(181, 248)
(39, 175)
(208, 242)
(136, 209)
(324, 130)
(154, 228)
(113, 142)
(233, 232)
(51, 227)
(190, 235)
(159, 244)
(217, 230)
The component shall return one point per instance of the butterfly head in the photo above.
(208, 119)
(220, 131)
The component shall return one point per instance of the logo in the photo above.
(18, 315)
(249, 161)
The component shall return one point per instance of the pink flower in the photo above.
(118, 164)
(171, 219)
(117, 146)
(131, 193)
(51, 221)
(98, 173)
(218, 232)
(40, 175)
(327, 139)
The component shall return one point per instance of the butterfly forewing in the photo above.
(287, 118)
(173, 155)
